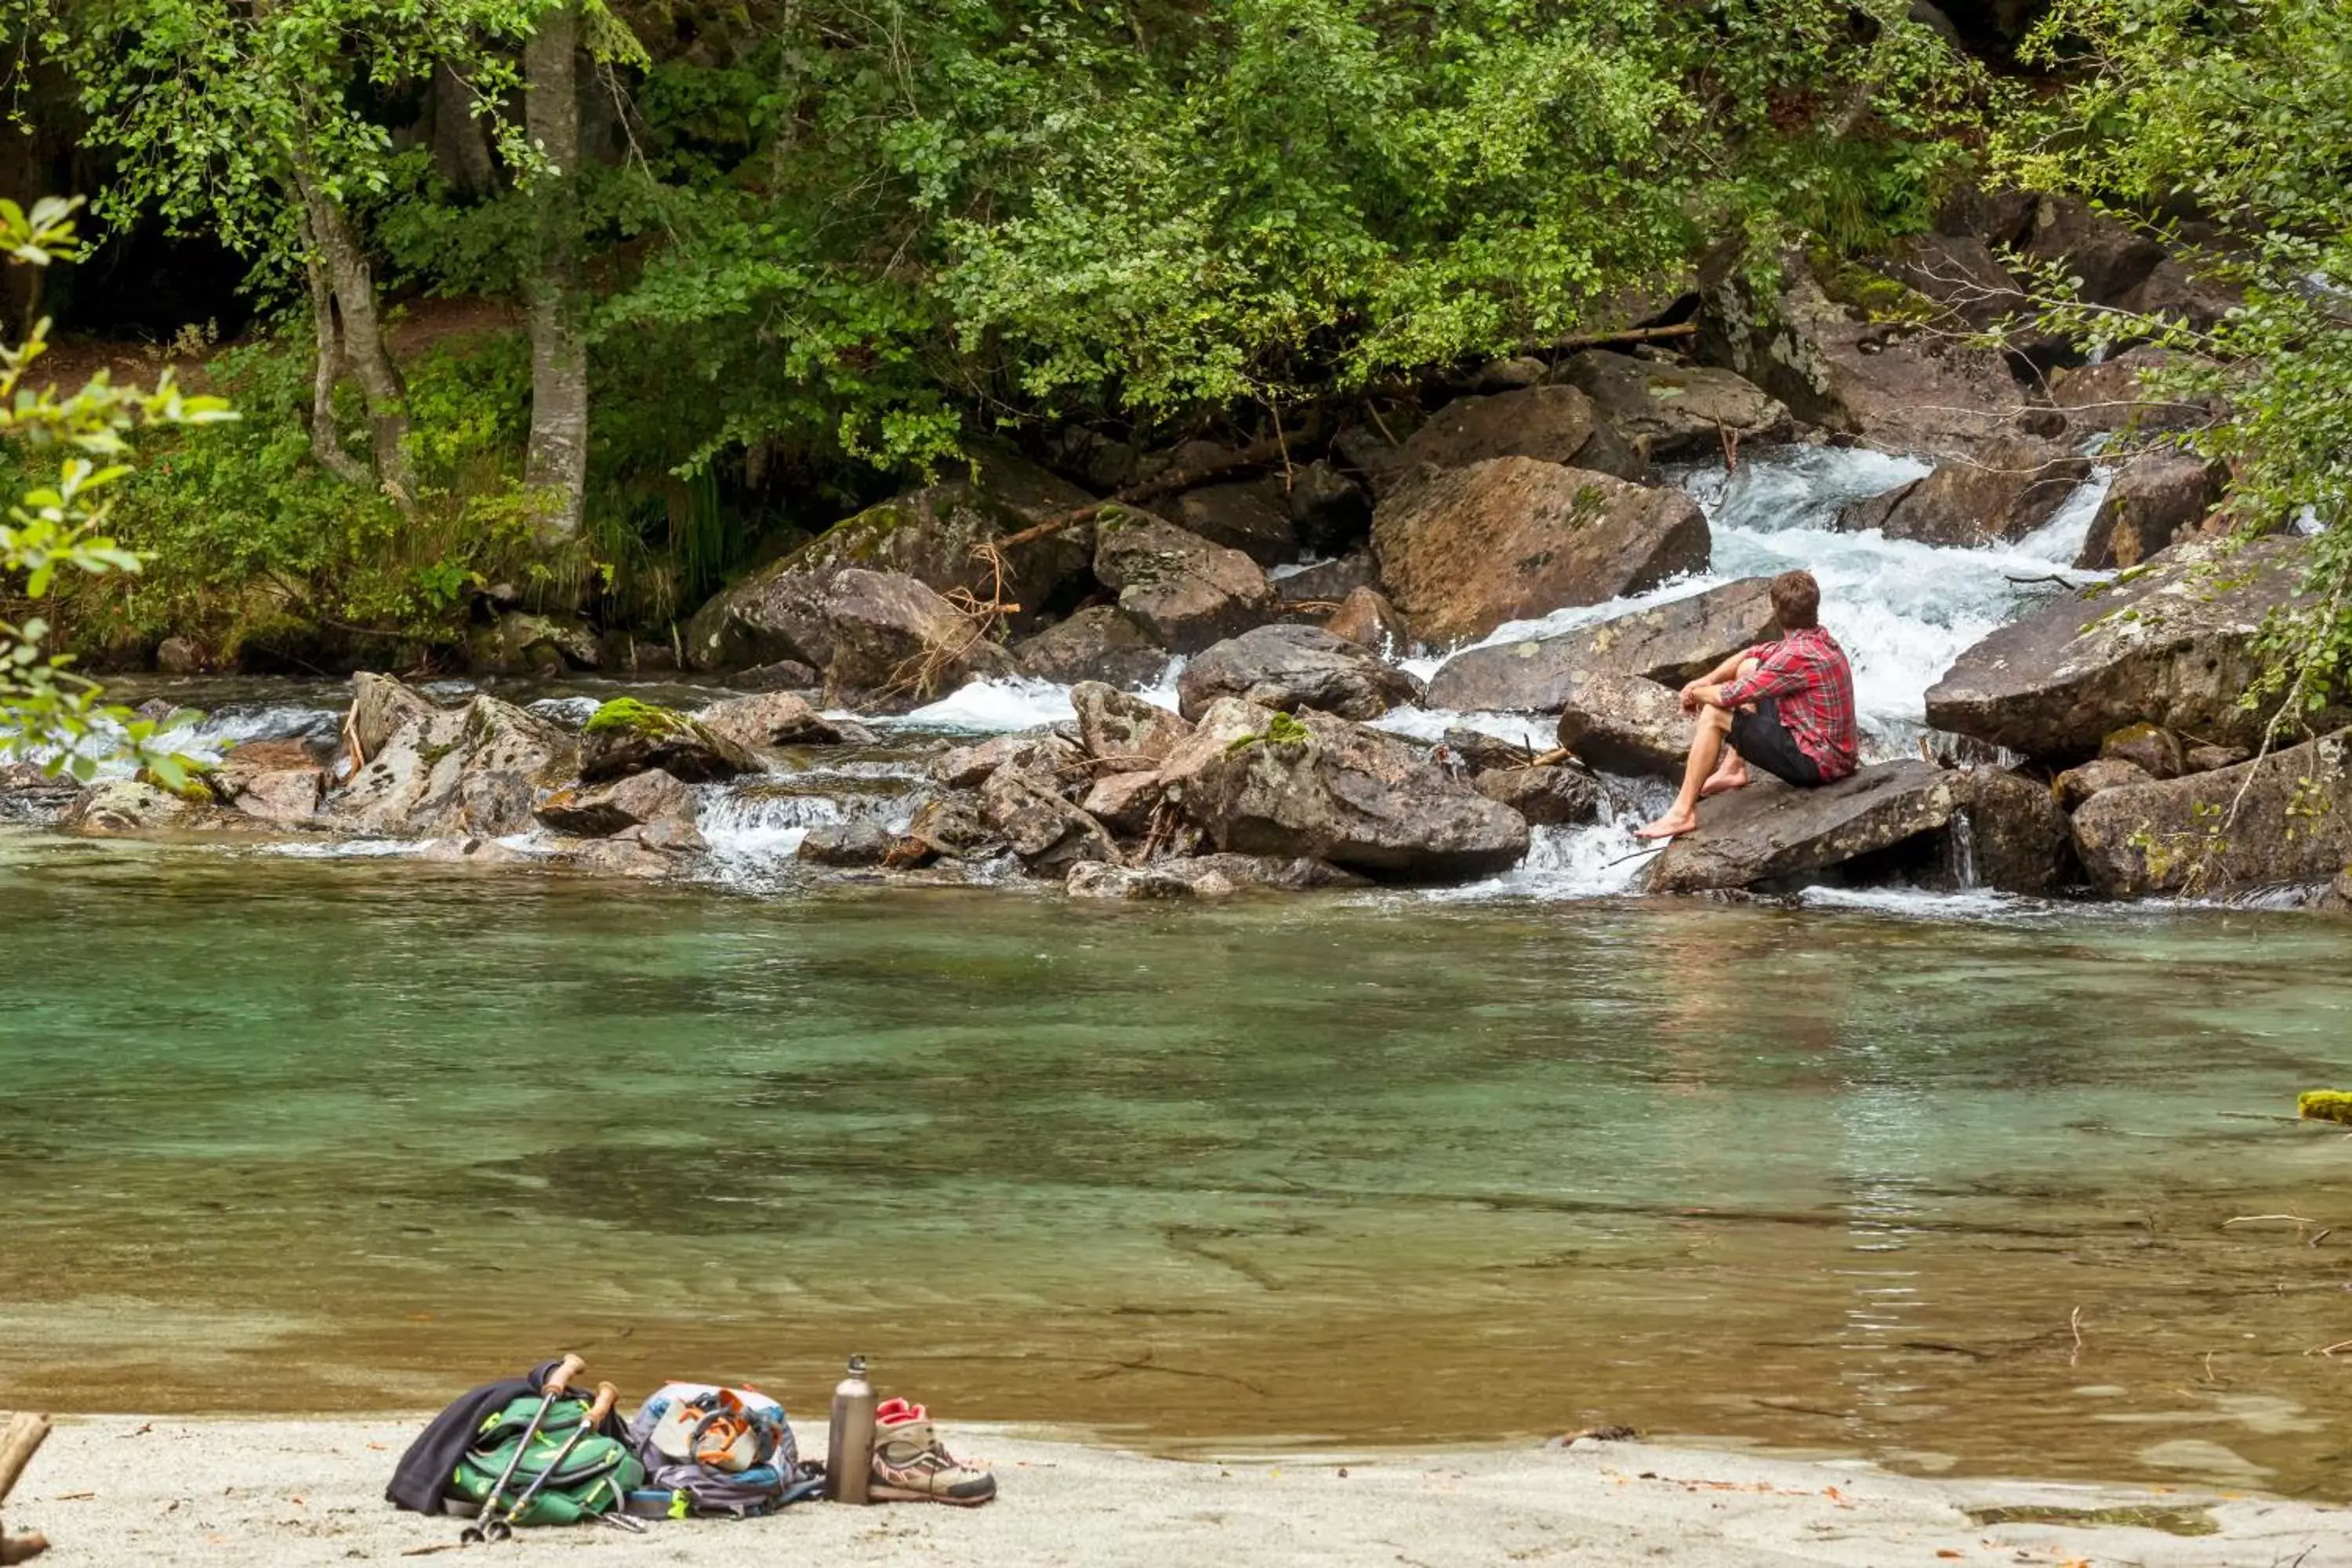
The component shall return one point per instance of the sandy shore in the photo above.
(117, 1491)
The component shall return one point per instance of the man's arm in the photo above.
(1776, 677)
(1712, 678)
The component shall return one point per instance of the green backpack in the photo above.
(597, 1476)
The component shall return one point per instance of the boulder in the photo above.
(1263, 782)
(1100, 880)
(2005, 489)
(1043, 827)
(469, 772)
(1123, 802)
(2173, 644)
(2172, 290)
(1465, 550)
(1118, 727)
(2337, 900)
(1556, 425)
(2284, 820)
(2151, 748)
(1623, 724)
(1669, 644)
(626, 736)
(1328, 582)
(2205, 758)
(2109, 255)
(1298, 874)
(1328, 511)
(2109, 395)
(846, 844)
(2159, 498)
(1835, 363)
(1291, 668)
(951, 826)
(1100, 643)
(600, 810)
(1250, 518)
(179, 655)
(929, 535)
(1666, 411)
(118, 806)
(520, 644)
(1183, 591)
(280, 795)
(1033, 751)
(380, 706)
(1959, 272)
(770, 719)
(1551, 796)
(2075, 786)
(1366, 618)
(1891, 821)
(897, 643)
(781, 675)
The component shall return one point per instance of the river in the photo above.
(1944, 1180)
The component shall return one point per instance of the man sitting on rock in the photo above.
(1785, 706)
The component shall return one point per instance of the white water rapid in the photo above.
(1904, 611)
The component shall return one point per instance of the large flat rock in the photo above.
(2171, 644)
(1669, 643)
(1891, 821)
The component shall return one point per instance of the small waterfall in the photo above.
(1960, 851)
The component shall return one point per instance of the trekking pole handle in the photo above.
(606, 1397)
(570, 1367)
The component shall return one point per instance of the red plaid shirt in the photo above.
(1809, 673)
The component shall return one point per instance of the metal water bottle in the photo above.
(849, 1442)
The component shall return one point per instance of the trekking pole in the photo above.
(571, 1366)
(606, 1396)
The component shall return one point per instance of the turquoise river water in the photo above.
(1951, 1192)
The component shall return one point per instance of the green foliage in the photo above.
(2242, 113)
(628, 716)
(59, 526)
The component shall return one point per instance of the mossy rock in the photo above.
(628, 716)
(1875, 294)
(2324, 1105)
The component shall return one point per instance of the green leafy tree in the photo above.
(2236, 119)
(56, 527)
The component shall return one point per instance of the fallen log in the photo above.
(22, 1438)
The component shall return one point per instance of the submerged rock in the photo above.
(846, 844)
(599, 811)
(1668, 644)
(1263, 782)
(2171, 644)
(1291, 668)
(1892, 822)
(626, 736)
(1100, 880)
(123, 806)
(2282, 821)
(1465, 550)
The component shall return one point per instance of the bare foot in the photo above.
(1724, 780)
(1674, 825)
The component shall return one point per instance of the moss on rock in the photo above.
(2324, 1105)
(628, 716)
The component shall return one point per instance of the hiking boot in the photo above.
(910, 1464)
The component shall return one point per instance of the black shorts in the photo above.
(1760, 738)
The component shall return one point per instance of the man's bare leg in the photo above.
(1706, 744)
(1730, 774)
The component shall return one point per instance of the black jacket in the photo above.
(422, 1477)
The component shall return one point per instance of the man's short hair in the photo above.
(1796, 601)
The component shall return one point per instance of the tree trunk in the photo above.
(326, 442)
(352, 284)
(459, 149)
(555, 467)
